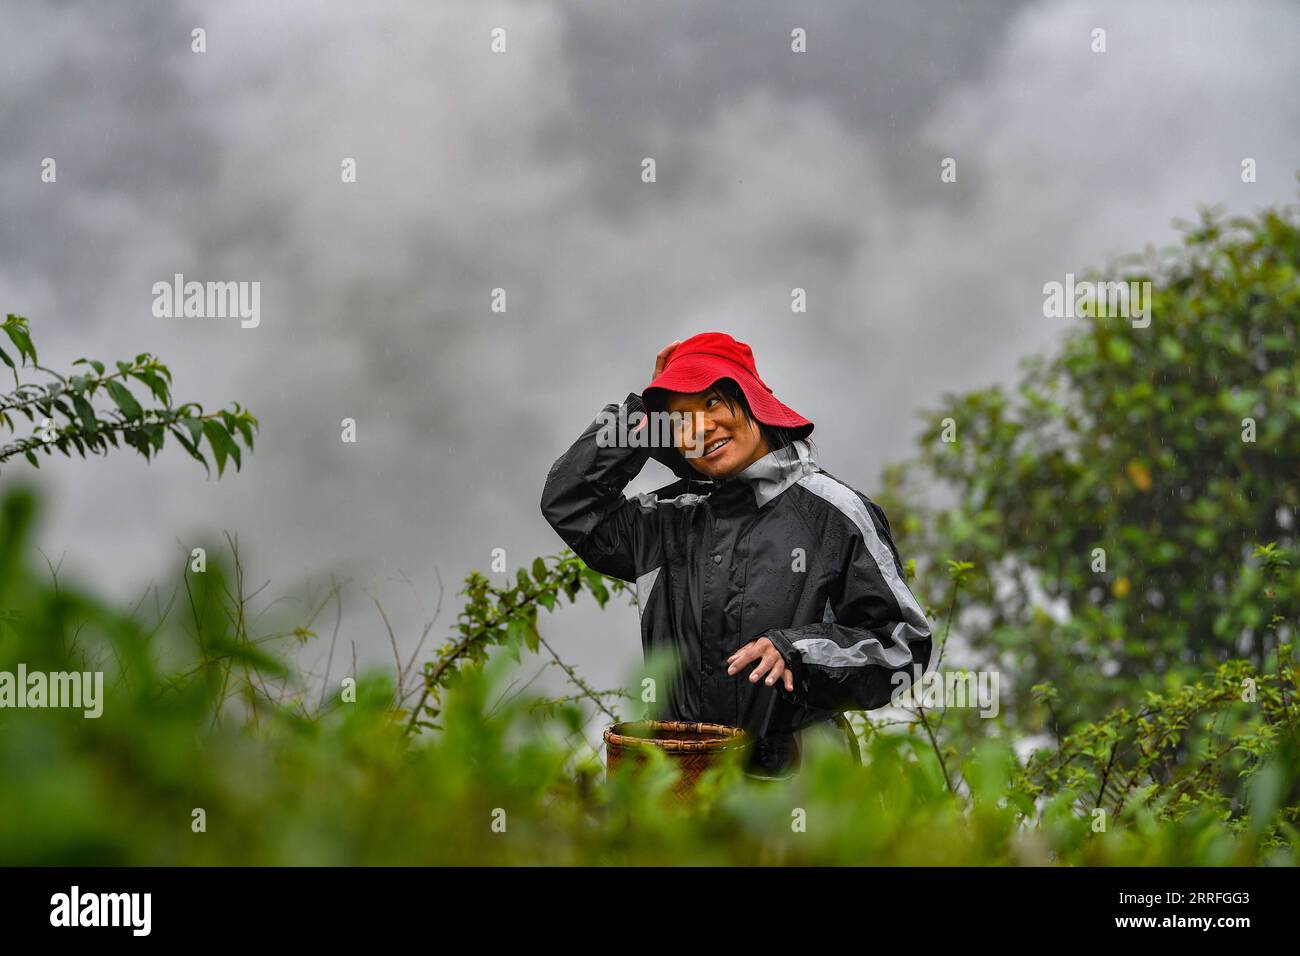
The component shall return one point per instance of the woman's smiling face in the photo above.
(731, 440)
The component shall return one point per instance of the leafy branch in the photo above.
(1131, 758)
(958, 571)
(69, 419)
(506, 617)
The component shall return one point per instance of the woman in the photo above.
(777, 585)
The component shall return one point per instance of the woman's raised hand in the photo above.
(662, 358)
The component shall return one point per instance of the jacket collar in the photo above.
(770, 475)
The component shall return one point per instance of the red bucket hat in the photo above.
(702, 359)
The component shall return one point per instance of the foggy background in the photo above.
(522, 171)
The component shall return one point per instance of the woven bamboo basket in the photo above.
(694, 747)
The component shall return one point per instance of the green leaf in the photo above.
(156, 435)
(10, 362)
(246, 430)
(525, 625)
(245, 652)
(86, 413)
(190, 447)
(22, 342)
(1119, 350)
(124, 399)
(222, 446)
(137, 439)
(156, 385)
(596, 585)
(512, 646)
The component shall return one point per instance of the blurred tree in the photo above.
(1114, 504)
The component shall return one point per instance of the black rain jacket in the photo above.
(783, 550)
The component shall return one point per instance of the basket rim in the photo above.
(729, 737)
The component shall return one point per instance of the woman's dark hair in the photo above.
(775, 436)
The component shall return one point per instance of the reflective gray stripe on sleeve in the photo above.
(913, 626)
(824, 651)
(644, 585)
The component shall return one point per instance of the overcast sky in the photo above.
(521, 170)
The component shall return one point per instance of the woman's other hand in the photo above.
(770, 661)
